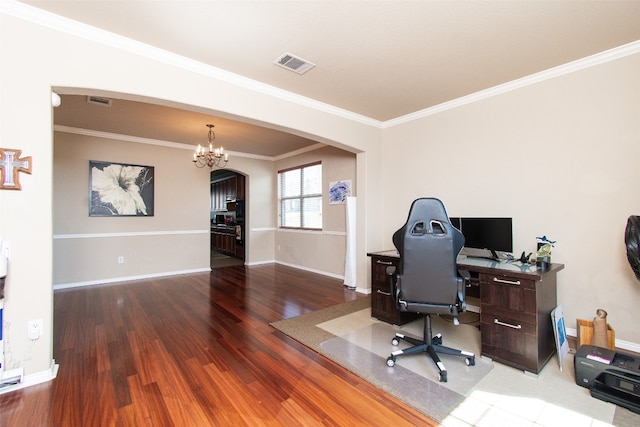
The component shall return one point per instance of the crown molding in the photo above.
(150, 141)
(41, 17)
(300, 151)
(561, 70)
(88, 32)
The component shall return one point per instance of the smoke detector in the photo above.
(294, 63)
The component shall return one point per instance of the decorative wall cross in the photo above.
(11, 164)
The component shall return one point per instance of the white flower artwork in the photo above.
(121, 190)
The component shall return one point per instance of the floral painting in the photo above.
(339, 191)
(118, 189)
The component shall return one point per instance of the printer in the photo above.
(610, 376)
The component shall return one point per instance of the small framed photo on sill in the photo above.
(120, 189)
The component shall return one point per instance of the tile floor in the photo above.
(221, 260)
(484, 409)
(505, 396)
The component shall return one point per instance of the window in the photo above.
(300, 197)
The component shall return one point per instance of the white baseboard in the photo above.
(127, 278)
(358, 289)
(271, 261)
(311, 270)
(361, 290)
(175, 273)
(33, 379)
(621, 344)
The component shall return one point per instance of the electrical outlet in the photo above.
(35, 329)
(120, 260)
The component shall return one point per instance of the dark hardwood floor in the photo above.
(198, 350)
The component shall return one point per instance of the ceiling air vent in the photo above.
(98, 100)
(293, 63)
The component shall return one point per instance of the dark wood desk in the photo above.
(515, 307)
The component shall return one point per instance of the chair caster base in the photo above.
(437, 340)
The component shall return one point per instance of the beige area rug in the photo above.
(303, 328)
(347, 334)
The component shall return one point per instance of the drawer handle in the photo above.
(384, 262)
(509, 325)
(507, 282)
(388, 294)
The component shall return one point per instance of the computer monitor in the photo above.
(485, 237)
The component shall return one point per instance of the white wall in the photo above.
(174, 240)
(321, 251)
(36, 59)
(560, 157)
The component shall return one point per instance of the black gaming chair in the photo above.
(427, 280)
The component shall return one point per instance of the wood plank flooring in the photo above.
(198, 350)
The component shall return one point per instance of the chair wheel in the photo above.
(391, 361)
(470, 361)
(437, 340)
(395, 342)
(442, 377)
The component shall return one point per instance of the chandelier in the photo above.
(212, 157)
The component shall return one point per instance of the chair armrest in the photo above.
(463, 280)
(465, 275)
(392, 279)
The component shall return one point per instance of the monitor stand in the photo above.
(488, 254)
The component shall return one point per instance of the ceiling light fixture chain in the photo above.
(211, 157)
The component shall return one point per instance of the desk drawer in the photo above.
(379, 269)
(504, 294)
(510, 342)
(383, 306)
(515, 322)
(506, 280)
